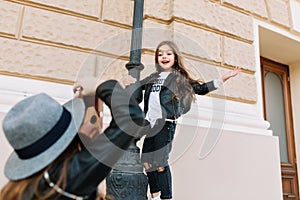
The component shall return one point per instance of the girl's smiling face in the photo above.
(166, 58)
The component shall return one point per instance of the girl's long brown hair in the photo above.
(184, 79)
(19, 190)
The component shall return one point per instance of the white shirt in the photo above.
(154, 111)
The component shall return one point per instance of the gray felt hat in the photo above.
(39, 129)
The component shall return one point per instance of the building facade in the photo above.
(239, 142)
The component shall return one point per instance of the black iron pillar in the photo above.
(127, 179)
(134, 66)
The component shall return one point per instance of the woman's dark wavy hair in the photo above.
(184, 80)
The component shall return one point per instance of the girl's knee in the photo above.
(147, 165)
(160, 169)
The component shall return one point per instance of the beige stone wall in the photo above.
(71, 40)
(52, 40)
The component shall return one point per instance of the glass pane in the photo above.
(275, 111)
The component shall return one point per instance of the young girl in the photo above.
(169, 93)
(51, 160)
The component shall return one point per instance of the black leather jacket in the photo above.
(93, 163)
(171, 105)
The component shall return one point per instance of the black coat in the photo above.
(93, 163)
(172, 106)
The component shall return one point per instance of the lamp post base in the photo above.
(127, 180)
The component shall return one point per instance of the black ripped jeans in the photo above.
(156, 149)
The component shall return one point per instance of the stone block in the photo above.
(154, 33)
(215, 16)
(96, 68)
(279, 12)
(73, 31)
(39, 60)
(164, 11)
(111, 68)
(295, 7)
(241, 87)
(120, 12)
(257, 7)
(197, 42)
(87, 7)
(9, 16)
(238, 53)
(190, 40)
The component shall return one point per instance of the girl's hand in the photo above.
(127, 80)
(231, 74)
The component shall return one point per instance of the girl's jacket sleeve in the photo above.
(202, 89)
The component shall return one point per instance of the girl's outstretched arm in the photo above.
(231, 74)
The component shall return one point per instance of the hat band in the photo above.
(48, 139)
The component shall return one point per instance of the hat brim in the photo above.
(16, 168)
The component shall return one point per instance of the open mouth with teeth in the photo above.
(165, 62)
